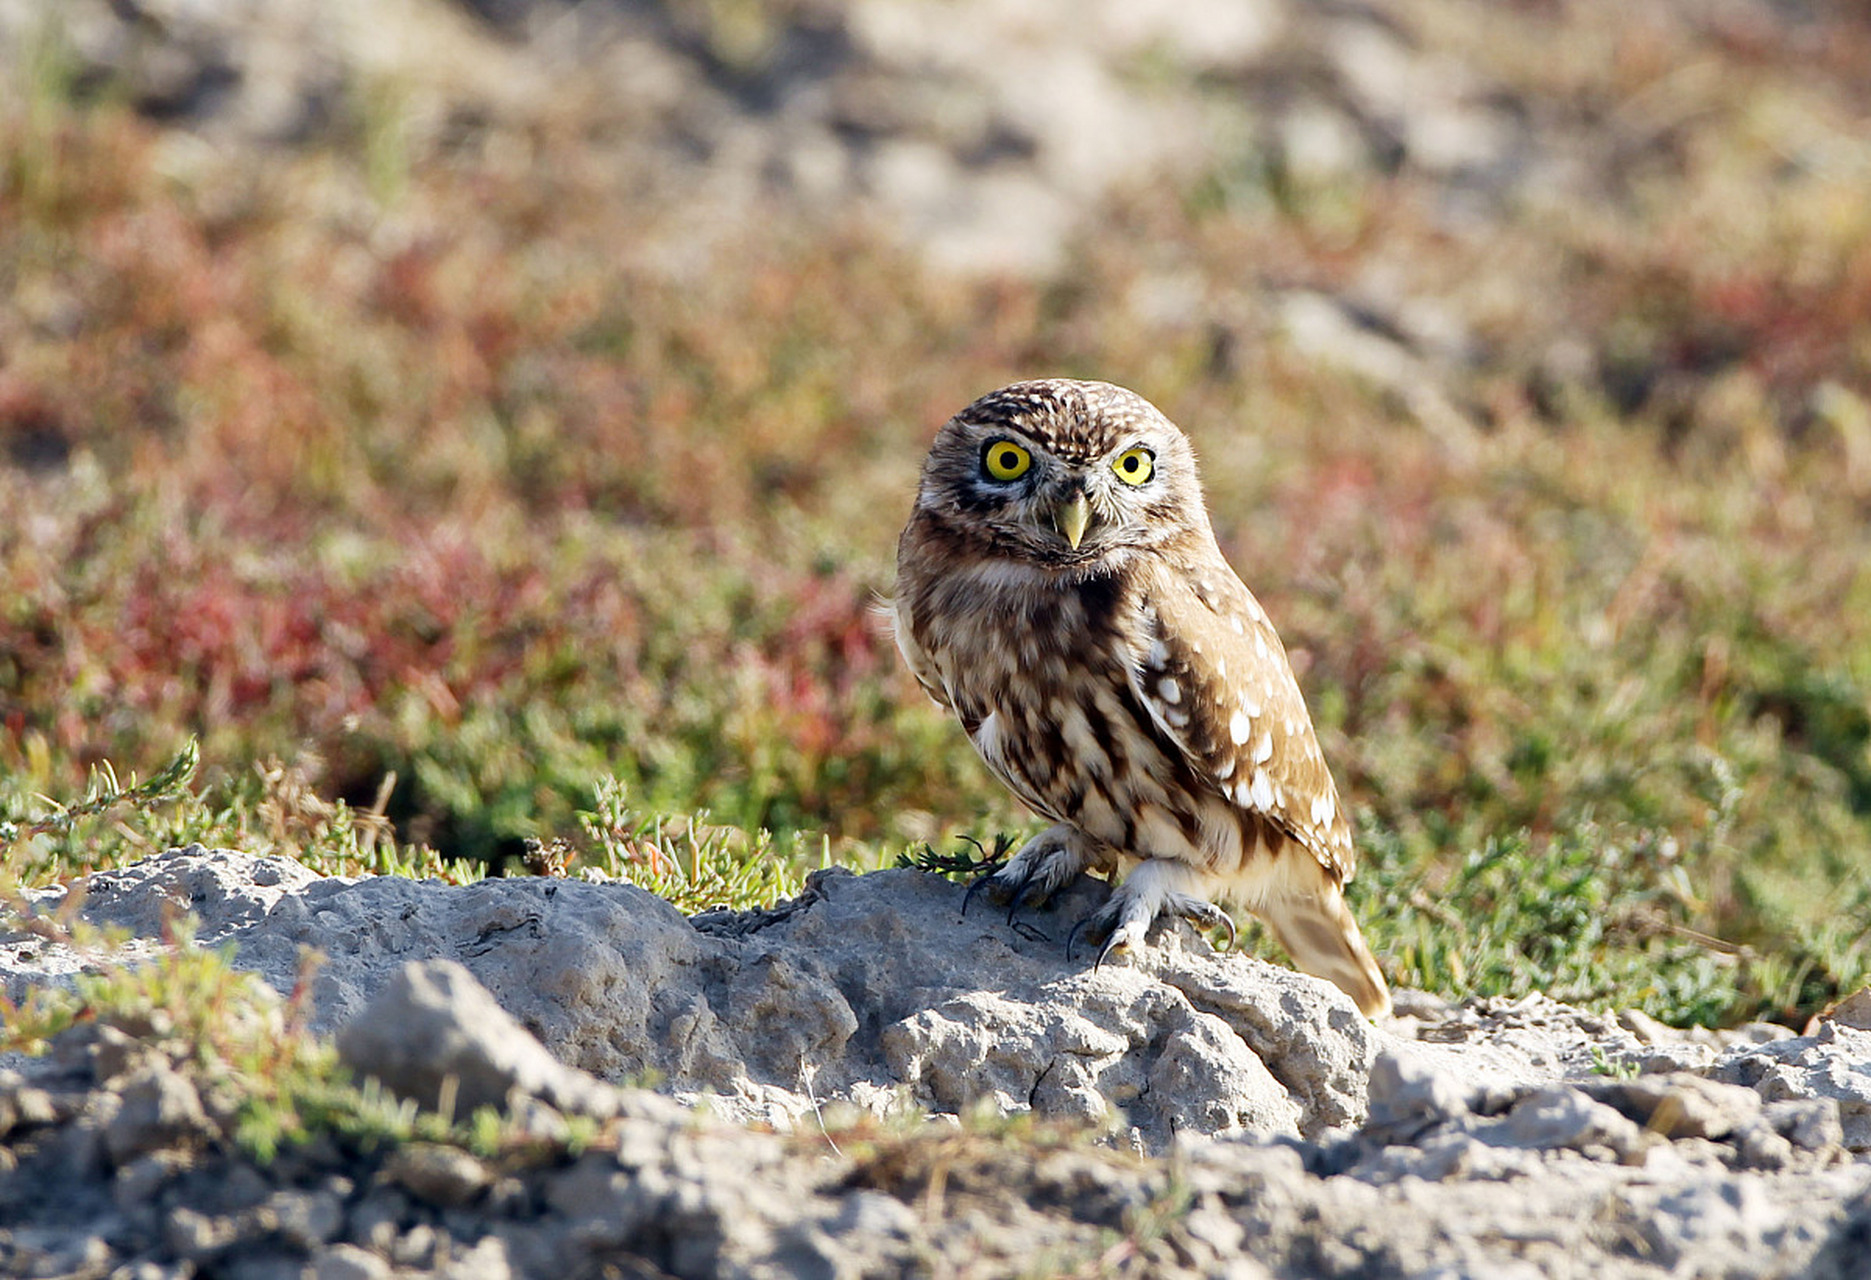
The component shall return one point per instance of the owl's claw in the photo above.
(1126, 919)
(1017, 891)
(1120, 925)
(1126, 937)
(1204, 915)
(1017, 896)
(1041, 868)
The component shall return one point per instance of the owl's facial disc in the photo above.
(1071, 508)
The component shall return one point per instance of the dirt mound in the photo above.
(1264, 1127)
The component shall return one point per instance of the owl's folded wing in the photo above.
(1214, 677)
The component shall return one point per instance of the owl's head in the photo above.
(1064, 474)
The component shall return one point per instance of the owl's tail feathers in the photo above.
(1318, 931)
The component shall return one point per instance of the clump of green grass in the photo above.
(103, 794)
(269, 809)
(690, 862)
(1587, 918)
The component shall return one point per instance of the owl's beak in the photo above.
(1072, 518)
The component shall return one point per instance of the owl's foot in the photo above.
(1042, 867)
(1157, 888)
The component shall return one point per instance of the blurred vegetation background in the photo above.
(474, 422)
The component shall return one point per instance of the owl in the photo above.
(1059, 589)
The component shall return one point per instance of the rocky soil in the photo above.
(1219, 1115)
(984, 133)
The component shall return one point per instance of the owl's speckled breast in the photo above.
(1039, 671)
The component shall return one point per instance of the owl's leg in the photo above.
(1158, 887)
(1041, 868)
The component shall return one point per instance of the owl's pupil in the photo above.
(1130, 463)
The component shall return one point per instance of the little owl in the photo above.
(1060, 590)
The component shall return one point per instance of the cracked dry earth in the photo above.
(1190, 1113)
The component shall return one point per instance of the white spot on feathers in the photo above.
(1262, 791)
(1322, 808)
(1263, 750)
(1240, 727)
(1240, 628)
(1171, 691)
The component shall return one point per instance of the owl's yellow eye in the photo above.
(1006, 460)
(1134, 466)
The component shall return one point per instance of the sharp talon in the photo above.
(1105, 951)
(1019, 892)
(1207, 915)
(1013, 908)
(1072, 938)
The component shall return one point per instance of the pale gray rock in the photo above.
(433, 1033)
(1833, 1063)
(306, 1219)
(1554, 1118)
(348, 1262)
(1679, 1105)
(1409, 1097)
(871, 989)
(439, 1175)
(1852, 1011)
(160, 1108)
(1811, 1124)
